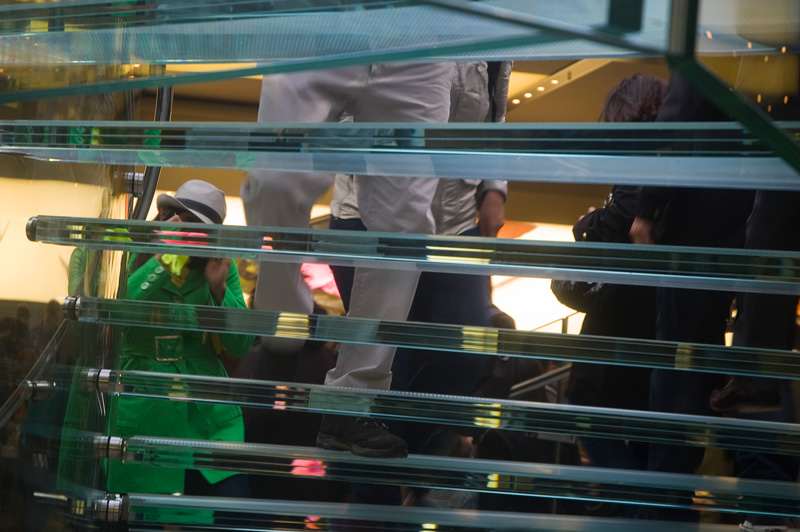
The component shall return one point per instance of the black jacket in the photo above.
(694, 216)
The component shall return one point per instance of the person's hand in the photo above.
(173, 218)
(590, 210)
(216, 272)
(491, 216)
(643, 231)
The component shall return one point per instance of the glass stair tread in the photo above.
(267, 38)
(677, 266)
(469, 474)
(709, 155)
(536, 417)
(291, 514)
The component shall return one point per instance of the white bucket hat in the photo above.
(202, 199)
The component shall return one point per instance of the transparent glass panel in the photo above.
(26, 83)
(39, 352)
(764, 77)
(489, 476)
(41, 410)
(726, 27)
(658, 427)
(678, 266)
(301, 34)
(697, 155)
(337, 24)
(147, 510)
(466, 339)
(327, 34)
(211, 32)
(50, 416)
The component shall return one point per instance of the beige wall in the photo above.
(554, 203)
(32, 271)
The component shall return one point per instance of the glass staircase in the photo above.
(71, 153)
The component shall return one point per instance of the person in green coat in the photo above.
(190, 281)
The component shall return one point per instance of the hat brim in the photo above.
(165, 201)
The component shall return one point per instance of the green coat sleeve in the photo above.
(77, 269)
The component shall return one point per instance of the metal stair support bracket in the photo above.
(97, 380)
(109, 447)
(39, 390)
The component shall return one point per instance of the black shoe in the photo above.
(361, 436)
(747, 526)
(744, 400)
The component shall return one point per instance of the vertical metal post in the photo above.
(682, 28)
(164, 97)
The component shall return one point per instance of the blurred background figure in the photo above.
(192, 281)
(688, 217)
(390, 92)
(626, 311)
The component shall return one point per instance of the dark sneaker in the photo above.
(744, 400)
(747, 526)
(361, 436)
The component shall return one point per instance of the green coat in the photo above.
(179, 352)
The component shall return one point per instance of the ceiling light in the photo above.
(528, 95)
(540, 89)
(515, 101)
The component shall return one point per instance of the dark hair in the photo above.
(634, 99)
